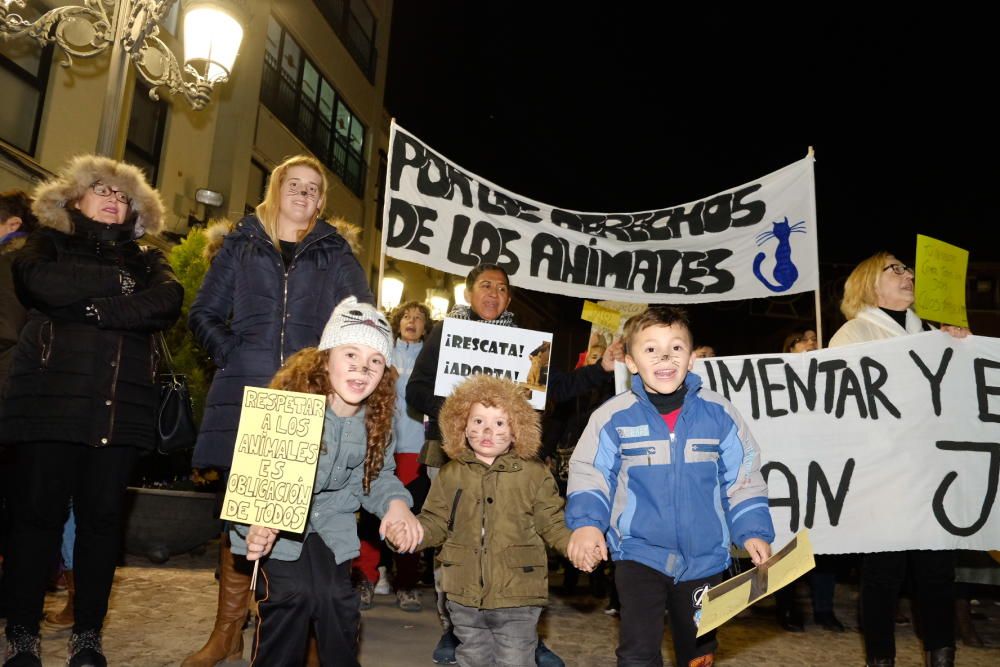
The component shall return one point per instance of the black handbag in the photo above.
(175, 427)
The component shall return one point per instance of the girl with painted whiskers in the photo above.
(304, 580)
(493, 507)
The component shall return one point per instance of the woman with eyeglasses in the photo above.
(268, 293)
(878, 304)
(80, 399)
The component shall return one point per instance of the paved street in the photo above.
(159, 613)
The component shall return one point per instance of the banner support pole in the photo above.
(385, 231)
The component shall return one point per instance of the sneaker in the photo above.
(366, 593)
(444, 652)
(544, 657)
(409, 600)
(85, 650)
(611, 610)
(23, 648)
(383, 587)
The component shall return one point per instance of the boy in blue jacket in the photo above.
(671, 475)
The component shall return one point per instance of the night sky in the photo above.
(594, 107)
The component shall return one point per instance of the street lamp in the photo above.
(392, 290)
(459, 291)
(212, 36)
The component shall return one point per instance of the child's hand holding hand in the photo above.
(758, 549)
(614, 352)
(395, 534)
(260, 541)
(407, 536)
(587, 548)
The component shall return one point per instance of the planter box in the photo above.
(162, 523)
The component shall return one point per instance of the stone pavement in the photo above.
(160, 613)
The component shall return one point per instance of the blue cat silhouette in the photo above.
(785, 273)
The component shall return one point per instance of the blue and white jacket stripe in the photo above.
(670, 500)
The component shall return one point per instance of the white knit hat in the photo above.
(360, 324)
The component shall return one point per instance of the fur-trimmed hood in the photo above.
(215, 234)
(491, 392)
(52, 197)
(350, 232)
(13, 245)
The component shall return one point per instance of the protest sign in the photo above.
(473, 348)
(720, 603)
(882, 446)
(274, 459)
(755, 240)
(940, 281)
(605, 318)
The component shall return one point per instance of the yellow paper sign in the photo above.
(940, 281)
(729, 598)
(602, 317)
(274, 459)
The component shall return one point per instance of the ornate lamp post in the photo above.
(212, 36)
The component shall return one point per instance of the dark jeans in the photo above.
(823, 582)
(47, 475)
(645, 594)
(882, 576)
(311, 592)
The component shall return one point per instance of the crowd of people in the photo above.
(473, 491)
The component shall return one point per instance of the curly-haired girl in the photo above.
(493, 507)
(305, 581)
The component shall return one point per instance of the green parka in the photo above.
(492, 523)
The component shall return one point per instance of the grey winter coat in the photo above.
(337, 493)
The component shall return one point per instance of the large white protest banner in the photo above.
(474, 348)
(755, 240)
(883, 446)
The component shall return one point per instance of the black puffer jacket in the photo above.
(251, 315)
(12, 313)
(77, 378)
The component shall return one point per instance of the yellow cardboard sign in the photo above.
(940, 281)
(274, 459)
(729, 598)
(602, 317)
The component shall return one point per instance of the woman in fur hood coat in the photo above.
(81, 395)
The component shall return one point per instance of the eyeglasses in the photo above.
(297, 187)
(102, 190)
(899, 269)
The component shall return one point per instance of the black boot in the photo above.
(85, 650)
(23, 648)
(940, 657)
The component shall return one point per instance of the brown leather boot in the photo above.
(226, 641)
(312, 656)
(63, 618)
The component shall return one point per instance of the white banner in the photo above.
(756, 240)
(474, 348)
(883, 446)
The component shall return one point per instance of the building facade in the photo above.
(309, 78)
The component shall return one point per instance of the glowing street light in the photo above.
(129, 28)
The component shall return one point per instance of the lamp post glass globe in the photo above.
(211, 40)
(459, 294)
(392, 292)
